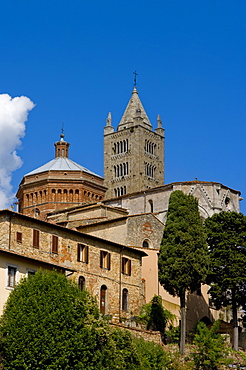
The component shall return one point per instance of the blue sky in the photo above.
(75, 61)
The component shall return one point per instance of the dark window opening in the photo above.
(81, 283)
(145, 244)
(103, 298)
(19, 237)
(12, 276)
(125, 300)
(227, 201)
(31, 273)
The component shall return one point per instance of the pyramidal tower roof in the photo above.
(134, 111)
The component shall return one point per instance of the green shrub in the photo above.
(120, 352)
(211, 351)
(151, 356)
(153, 316)
(173, 333)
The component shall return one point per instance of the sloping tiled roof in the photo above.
(61, 164)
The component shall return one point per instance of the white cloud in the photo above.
(13, 115)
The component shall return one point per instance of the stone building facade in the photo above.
(134, 154)
(58, 184)
(138, 220)
(137, 230)
(133, 212)
(110, 271)
(213, 197)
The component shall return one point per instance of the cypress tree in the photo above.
(183, 260)
(226, 237)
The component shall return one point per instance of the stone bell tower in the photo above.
(134, 154)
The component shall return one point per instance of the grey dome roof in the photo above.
(61, 164)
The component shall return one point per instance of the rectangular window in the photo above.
(11, 276)
(83, 253)
(36, 238)
(105, 260)
(54, 244)
(30, 272)
(19, 237)
(126, 266)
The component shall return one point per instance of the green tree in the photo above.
(226, 237)
(183, 260)
(211, 351)
(153, 316)
(48, 323)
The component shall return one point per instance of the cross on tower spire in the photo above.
(135, 78)
(62, 132)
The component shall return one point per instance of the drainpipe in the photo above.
(10, 229)
(144, 202)
(120, 283)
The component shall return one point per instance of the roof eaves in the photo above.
(51, 225)
(14, 253)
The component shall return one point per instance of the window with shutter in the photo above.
(12, 271)
(126, 266)
(83, 253)
(19, 237)
(101, 259)
(54, 244)
(86, 254)
(105, 258)
(129, 267)
(36, 238)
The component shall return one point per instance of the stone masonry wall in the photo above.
(137, 158)
(68, 240)
(212, 198)
(147, 335)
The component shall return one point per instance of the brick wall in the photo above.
(43, 193)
